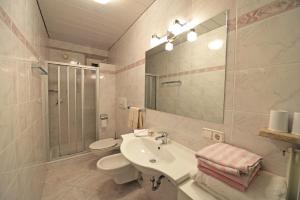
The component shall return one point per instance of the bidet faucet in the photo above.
(163, 136)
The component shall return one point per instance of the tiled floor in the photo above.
(79, 179)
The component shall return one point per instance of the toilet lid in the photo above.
(103, 143)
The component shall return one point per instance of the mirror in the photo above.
(190, 79)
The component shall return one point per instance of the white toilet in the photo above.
(105, 146)
(118, 167)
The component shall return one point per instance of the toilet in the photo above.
(105, 146)
(118, 167)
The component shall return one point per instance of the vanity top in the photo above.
(173, 160)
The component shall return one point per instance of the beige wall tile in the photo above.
(262, 89)
(262, 74)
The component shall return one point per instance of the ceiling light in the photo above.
(169, 46)
(192, 35)
(215, 44)
(102, 1)
(154, 40)
(176, 27)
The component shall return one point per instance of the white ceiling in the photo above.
(88, 23)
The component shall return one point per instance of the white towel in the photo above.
(266, 186)
(141, 132)
(133, 118)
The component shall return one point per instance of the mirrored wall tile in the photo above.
(262, 89)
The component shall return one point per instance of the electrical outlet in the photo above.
(207, 133)
(218, 136)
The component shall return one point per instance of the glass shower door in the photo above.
(72, 109)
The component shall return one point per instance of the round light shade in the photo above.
(169, 46)
(102, 1)
(192, 35)
(176, 27)
(215, 44)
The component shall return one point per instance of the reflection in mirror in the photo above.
(190, 79)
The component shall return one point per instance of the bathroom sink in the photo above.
(173, 160)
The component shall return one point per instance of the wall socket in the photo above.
(217, 136)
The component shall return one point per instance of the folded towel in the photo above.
(267, 186)
(244, 180)
(141, 132)
(231, 182)
(141, 119)
(229, 159)
(135, 120)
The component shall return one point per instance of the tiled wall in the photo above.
(23, 140)
(107, 100)
(263, 71)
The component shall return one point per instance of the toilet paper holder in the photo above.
(103, 116)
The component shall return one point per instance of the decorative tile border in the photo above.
(266, 11)
(132, 65)
(105, 71)
(194, 71)
(4, 17)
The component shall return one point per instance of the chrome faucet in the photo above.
(163, 136)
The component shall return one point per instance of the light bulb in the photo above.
(176, 27)
(192, 35)
(154, 41)
(215, 44)
(169, 46)
(102, 1)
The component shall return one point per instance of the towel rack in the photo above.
(141, 109)
(38, 65)
(171, 82)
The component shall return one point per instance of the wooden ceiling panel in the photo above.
(87, 22)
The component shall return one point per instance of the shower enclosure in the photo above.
(73, 96)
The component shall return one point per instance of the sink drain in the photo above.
(152, 160)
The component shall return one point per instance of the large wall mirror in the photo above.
(190, 79)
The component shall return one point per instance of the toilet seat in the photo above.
(112, 162)
(104, 144)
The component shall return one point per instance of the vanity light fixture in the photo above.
(192, 35)
(176, 27)
(102, 1)
(215, 44)
(169, 46)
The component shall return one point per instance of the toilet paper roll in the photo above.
(296, 123)
(103, 123)
(279, 120)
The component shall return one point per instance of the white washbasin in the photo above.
(172, 160)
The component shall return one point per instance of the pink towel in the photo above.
(227, 180)
(229, 159)
(242, 180)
